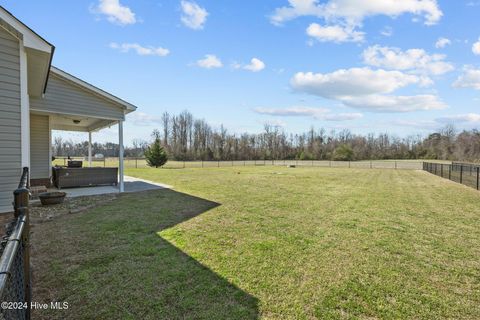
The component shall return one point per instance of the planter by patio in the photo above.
(49, 198)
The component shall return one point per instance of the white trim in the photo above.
(24, 108)
(40, 111)
(120, 156)
(128, 106)
(90, 148)
(30, 38)
(50, 152)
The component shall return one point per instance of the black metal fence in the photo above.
(138, 162)
(15, 284)
(464, 173)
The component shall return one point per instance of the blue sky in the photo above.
(402, 67)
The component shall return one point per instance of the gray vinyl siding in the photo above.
(10, 132)
(64, 97)
(39, 147)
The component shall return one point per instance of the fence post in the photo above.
(441, 170)
(349, 163)
(395, 165)
(330, 163)
(449, 172)
(461, 173)
(21, 199)
(244, 163)
(136, 163)
(478, 174)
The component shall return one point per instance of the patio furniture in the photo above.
(84, 177)
(75, 164)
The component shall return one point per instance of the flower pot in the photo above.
(49, 198)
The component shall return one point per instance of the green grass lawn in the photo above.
(270, 243)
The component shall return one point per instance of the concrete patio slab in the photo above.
(132, 184)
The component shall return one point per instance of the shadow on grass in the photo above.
(110, 261)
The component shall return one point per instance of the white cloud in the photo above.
(316, 113)
(469, 79)
(442, 43)
(142, 51)
(415, 60)
(366, 89)
(276, 123)
(255, 65)
(476, 47)
(292, 111)
(387, 103)
(418, 124)
(343, 116)
(351, 82)
(115, 12)
(387, 31)
(353, 12)
(461, 118)
(193, 15)
(209, 62)
(143, 119)
(334, 33)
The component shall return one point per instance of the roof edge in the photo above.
(128, 106)
(30, 32)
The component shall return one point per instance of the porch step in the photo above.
(35, 191)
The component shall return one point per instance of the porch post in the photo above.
(120, 154)
(89, 148)
(24, 110)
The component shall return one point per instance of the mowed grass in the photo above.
(269, 243)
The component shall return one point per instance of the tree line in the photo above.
(186, 138)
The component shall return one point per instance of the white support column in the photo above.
(50, 151)
(120, 155)
(24, 108)
(90, 149)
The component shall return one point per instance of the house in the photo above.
(36, 98)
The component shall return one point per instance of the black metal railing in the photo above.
(15, 282)
(464, 173)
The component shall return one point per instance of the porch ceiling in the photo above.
(77, 123)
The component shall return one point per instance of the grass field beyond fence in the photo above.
(270, 243)
(172, 164)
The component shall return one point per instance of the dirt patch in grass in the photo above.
(40, 213)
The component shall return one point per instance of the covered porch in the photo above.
(71, 104)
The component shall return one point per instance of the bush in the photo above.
(343, 153)
(155, 154)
